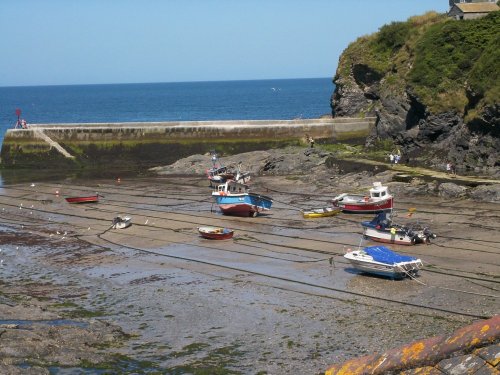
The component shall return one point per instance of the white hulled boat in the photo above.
(382, 229)
(380, 260)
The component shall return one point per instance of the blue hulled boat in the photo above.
(234, 198)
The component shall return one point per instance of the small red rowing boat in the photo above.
(88, 199)
(214, 233)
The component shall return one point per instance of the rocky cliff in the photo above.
(433, 84)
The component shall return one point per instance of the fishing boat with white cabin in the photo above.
(377, 200)
(235, 198)
(219, 174)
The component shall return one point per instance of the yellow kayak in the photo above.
(321, 212)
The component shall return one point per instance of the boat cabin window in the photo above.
(382, 193)
(375, 195)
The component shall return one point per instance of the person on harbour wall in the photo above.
(21, 123)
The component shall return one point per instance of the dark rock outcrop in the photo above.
(472, 146)
(486, 193)
(451, 190)
(469, 137)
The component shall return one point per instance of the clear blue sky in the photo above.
(52, 42)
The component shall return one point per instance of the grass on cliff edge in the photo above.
(379, 151)
(436, 56)
(452, 55)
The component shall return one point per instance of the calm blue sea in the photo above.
(228, 100)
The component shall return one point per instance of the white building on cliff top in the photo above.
(466, 10)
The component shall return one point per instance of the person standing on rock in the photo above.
(391, 158)
(448, 168)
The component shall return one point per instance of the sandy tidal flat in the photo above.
(278, 297)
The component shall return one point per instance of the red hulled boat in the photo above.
(215, 233)
(86, 199)
(378, 200)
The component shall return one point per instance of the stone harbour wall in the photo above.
(155, 143)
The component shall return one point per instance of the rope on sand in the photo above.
(296, 281)
(450, 289)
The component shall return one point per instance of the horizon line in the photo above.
(142, 83)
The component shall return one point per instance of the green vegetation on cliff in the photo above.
(453, 56)
(448, 64)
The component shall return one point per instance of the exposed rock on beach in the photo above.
(324, 168)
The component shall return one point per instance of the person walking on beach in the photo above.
(310, 140)
(391, 158)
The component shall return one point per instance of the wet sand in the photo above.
(277, 298)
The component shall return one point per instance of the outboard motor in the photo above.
(428, 235)
(414, 237)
